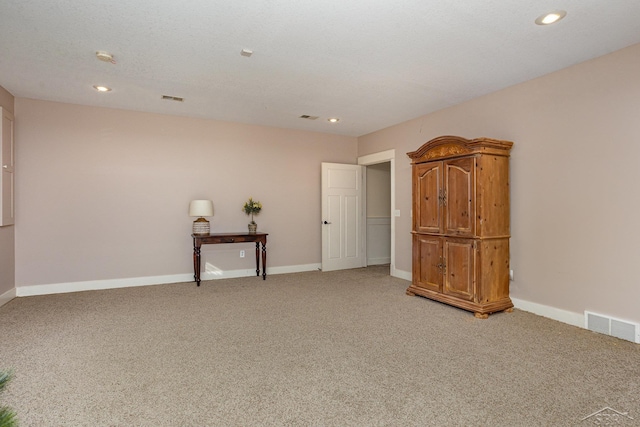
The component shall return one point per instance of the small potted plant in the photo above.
(252, 207)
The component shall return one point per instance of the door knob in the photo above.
(326, 222)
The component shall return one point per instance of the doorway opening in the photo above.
(379, 231)
(378, 213)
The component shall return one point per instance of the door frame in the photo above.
(372, 159)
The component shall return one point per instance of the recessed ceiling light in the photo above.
(334, 120)
(550, 18)
(102, 88)
(105, 56)
(246, 52)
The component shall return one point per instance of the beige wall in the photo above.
(103, 194)
(574, 180)
(7, 233)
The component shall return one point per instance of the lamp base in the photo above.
(201, 226)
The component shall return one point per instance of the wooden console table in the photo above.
(212, 239)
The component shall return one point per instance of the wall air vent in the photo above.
(172, 98)
(308, 117)
(614, 327)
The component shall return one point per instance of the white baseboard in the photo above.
(400, 274)
(378, 261)
(294, 268)
(7, 296)
(564, 316)
(214, 274)
(93, 285)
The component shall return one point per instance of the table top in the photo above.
(229, 234)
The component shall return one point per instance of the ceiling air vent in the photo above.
(308, 117)
(172, 98)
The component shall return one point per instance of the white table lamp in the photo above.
(201, 208)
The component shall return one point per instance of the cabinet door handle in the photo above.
(442, 265)
(442, 197)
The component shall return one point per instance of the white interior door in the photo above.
(342, 217)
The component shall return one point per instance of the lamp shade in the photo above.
(201, 208)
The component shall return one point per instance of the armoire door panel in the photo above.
(428, 265)
(459, 274)
(428, 181)
(459, 196)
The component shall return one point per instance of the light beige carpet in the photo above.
(342, 348)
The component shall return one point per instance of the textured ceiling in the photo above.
(372, 63)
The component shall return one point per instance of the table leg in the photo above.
(196, 264)
(264, 261)
(257, 258)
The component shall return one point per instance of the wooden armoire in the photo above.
(461, 223)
